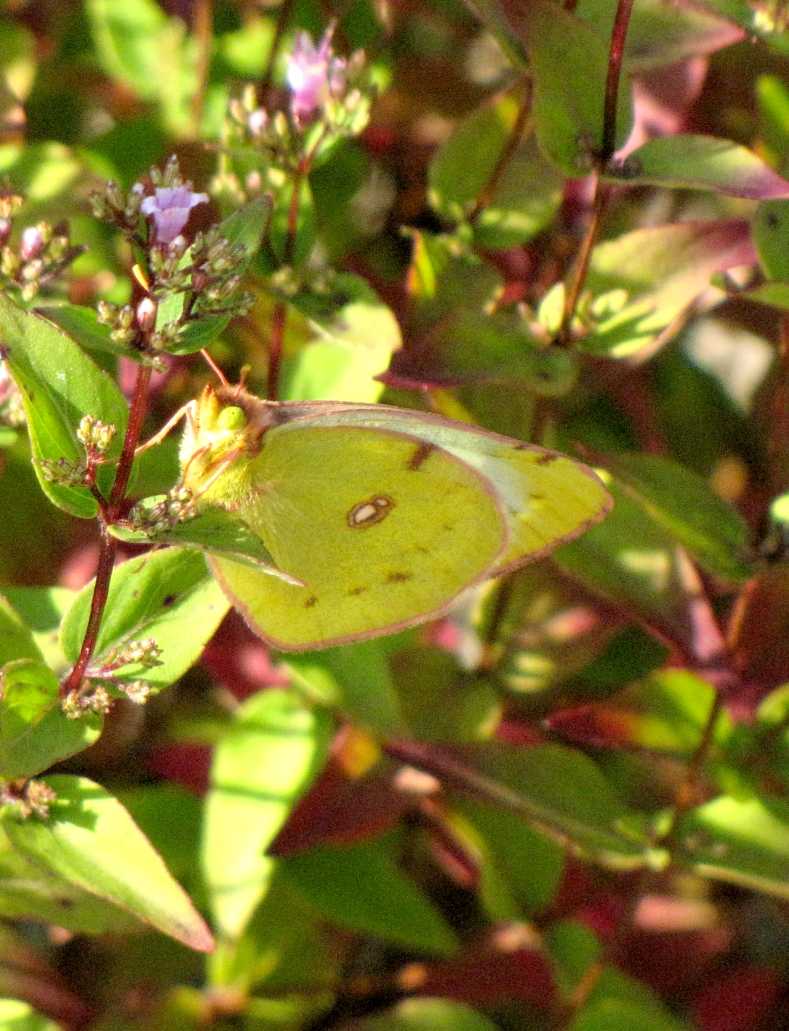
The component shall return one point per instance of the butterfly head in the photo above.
(220, 435)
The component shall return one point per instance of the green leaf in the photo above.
(621, 1002)
(502, 30)
(660, 35)
(213, 531)
(167, 595)
(16, 1015)
(562, 792)
(262, 766)
(362, 888)
(34, 732)
(574, 947)
(427, 1014)
(16, 639)
(83, 326)
(742, 841)
(699, 163)
(91, 841)
(59, 384)
(569, 62)
(134, 42)
(659, 270)
(42, 609)
(530, 864)
(527, 194)
(770, 229)
(29, 892)
(635, 564)
(284, 943)
(355, 680)
(684, 504)
(245, 227)
(349, 336)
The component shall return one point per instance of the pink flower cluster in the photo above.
(314, 74)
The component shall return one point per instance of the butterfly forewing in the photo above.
(548, 498)
(383, 527)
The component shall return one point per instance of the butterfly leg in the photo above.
(187, 411)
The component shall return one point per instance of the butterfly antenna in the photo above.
(214, 367)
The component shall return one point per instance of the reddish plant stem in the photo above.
(108, 546)
(615, 54)
(488, 191)
(131, 440)
(279, 316)
(608, 145)
(581, 267)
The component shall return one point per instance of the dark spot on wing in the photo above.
(397, 576)
(772, 220)
(312, 600)
(168, 599)
(419, 456)
(354, 592)
(547, 458)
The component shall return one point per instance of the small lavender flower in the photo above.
(169, 207)
(314, 74)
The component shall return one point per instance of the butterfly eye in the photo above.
(231, 418)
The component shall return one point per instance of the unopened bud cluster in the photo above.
(174, 508)
(95, 436)
(80, 703)
(40, 254)
(28, 798)
(144, 653)
(66, 472)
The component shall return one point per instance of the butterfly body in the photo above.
(384, 515)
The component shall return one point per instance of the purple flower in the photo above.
(314, 74)
(169, 207)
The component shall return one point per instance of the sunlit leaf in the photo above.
(262, 766)
(167, 595)
(34, 731)
(699, 163)
(90, 841)
(362, 888)
(59, 384)
(742, 841)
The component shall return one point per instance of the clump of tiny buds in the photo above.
(28, 798)
(174, 508)
(41, 254)
(96, 437)
(113, 673)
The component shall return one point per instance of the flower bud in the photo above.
(147, 310)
